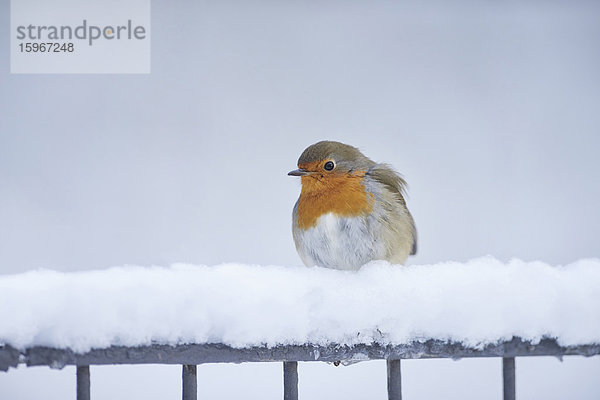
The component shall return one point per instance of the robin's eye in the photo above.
(329, 165)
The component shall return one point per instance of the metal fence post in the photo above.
(508, 377)
(394, 380)
(190, 383)
(83, 382)
(290, 380)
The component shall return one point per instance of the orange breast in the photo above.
(341, 194)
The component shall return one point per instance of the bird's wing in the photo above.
(385, 175)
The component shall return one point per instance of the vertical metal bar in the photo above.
(394, 380)
(508, 377)
(190, 383)
(290, 380)
(83, 382)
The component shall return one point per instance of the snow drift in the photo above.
(478, 302)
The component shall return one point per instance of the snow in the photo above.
(477, 302)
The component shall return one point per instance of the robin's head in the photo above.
(329, 159)
(332, 176)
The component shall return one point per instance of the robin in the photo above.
(351, 210)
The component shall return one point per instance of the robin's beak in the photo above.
(298, 172)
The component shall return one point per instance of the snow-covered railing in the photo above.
(192, 315)
(191, 355)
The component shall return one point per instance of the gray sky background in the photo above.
(491, 111)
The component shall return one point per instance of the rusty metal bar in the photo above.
(190, 383)
(290, 380)
(394, 380)
(508, 378)
(83, 382)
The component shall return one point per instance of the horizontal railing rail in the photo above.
(190, 355)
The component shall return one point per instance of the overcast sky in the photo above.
(490, 110)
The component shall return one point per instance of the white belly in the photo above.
(339, 242)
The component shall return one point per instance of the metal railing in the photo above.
(190, 355)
